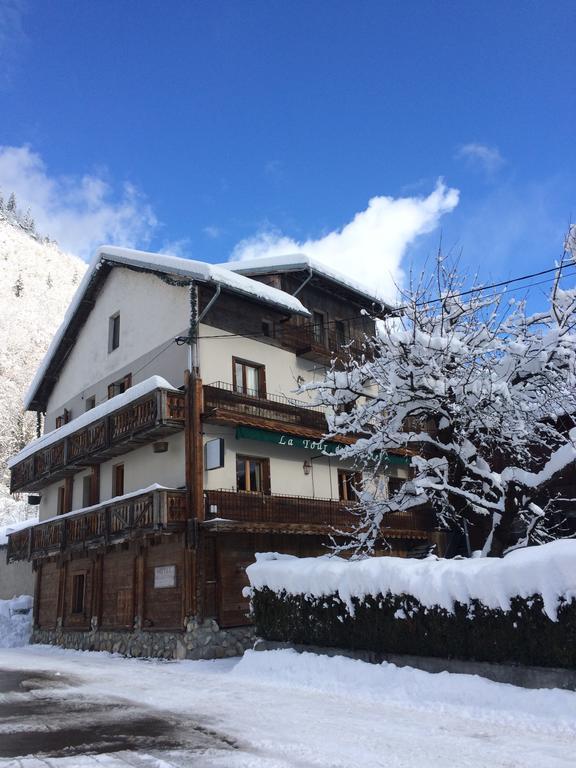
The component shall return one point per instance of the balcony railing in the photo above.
(156, 414)
(303, 514)
(321, 344)
(107, 523)
(225, 403)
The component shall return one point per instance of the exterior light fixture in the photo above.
(307, 466)
(161, 447)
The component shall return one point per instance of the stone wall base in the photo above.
(204, 640)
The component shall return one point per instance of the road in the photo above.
(67, 709)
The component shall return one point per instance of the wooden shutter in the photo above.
(266, 476)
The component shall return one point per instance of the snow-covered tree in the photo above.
(481, 395)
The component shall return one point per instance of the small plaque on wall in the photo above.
(214, 453)
(164, 576)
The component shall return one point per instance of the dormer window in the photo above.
(114, 332)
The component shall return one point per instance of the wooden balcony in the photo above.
(258, 512)
(99, 526)
(321, 345)
(225, 405)
(153, 416)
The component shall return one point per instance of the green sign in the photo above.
(290, 441)
(307, 443)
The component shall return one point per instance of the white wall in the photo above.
(151, 312)
(143, 467)
(283, 368)
(286, 467)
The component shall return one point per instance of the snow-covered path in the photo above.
(288, 711)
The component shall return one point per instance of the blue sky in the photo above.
(196, 126)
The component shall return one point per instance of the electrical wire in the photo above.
(468, 292)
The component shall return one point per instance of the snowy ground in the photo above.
(278, 709)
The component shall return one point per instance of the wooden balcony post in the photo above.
(159, 509)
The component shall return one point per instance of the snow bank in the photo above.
(15, 621)
(548, 570)
(410, 688)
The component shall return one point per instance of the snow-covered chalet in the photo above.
(174, 448)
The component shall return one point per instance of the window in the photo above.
(348, 484)
(87, 491)
(318, 328)
(114, 332)
(64, 418)
(90, 402)
(252, 474)
(394, 485)
(91, 487)
(61, 504)
(248, 378)
(78, 592)
(118, 480)
(341, 335)
(266, 328)
(117, 387)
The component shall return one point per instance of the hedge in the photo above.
(399, 624)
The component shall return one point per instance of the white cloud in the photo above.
(181, 248)
(80, 212)
(487, 158)
(212, 232)
(369, 248)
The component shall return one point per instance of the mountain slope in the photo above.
(37, 281)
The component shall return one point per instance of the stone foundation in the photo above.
(204, 640)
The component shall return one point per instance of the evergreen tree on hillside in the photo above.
(18, 287)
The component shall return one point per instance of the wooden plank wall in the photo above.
(119, 587)
(118, 597)
(235, 552)
(163, 607)
(47, 596)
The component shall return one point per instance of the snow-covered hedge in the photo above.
(521, 608)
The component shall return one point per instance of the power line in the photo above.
(479, 289)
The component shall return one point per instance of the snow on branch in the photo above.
(481, 394)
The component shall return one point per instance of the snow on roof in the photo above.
(156, 262)
(300, 261)
(203, 272)
(105, 408)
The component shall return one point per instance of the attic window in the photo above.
(90, 402)
(114, 332)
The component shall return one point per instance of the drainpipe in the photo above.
(306, 281)
(195, 320)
